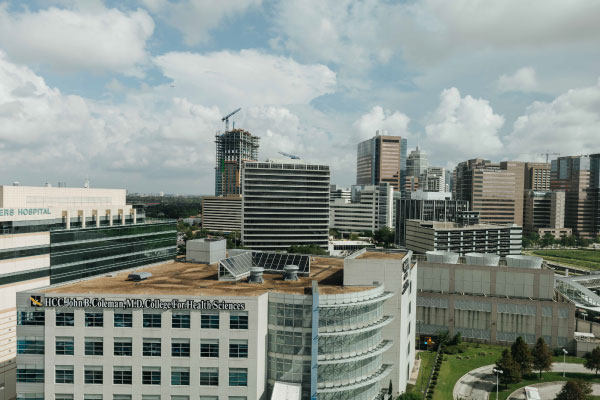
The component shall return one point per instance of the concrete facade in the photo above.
(372, 210)
(382, 159)
(544, 210)
(222, 213)
(205, 250)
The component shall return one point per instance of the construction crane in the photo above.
(226, 119)
(547, 154)
(293, 157)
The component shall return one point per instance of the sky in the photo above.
(130, 94)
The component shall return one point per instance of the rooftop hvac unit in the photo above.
(520, 261)
(256, 275)
(490, 260)
(444, 257)
(290, 273)
(139, 276)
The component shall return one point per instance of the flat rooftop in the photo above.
(191, 279)
(452, 226)
(382, 256)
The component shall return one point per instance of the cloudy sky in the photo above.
(132, 95)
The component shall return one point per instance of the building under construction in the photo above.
(233, 148)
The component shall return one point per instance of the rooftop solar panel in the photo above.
(238, 267)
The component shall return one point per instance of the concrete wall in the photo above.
(205, 250)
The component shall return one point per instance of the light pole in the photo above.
(497, 372)
(565, 352)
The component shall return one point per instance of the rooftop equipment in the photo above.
(290, 273)
(139, 276)
(256, 275)
(521, 261)
(445, 257)
(490, 260)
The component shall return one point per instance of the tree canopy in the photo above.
(575, 390)
(592, 360)
(522, 356)
(511, 373)
(542, 359)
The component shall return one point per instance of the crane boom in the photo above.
(293, 157)
(226, 119)
(547, 154)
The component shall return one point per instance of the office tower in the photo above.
(423, 236)
(338, 192)
(222, 213)
(545, 212)
(579, 177)
(493, 189)
(382, 159)
(426, 206)
(233, 148)
(370, 209)
(433, 180)
(53, 235)
(537, 176)
(416, 163)
(285, 203)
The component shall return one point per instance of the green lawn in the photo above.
(455, 366)
(570, 359)
(580, 258)
(546, 377)
(427, 359)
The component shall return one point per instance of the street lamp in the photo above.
(565, 352)
(497, 372)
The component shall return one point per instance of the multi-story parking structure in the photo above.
(197, 331)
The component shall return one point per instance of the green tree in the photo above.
(542, 358)
(575, 390)
(307, 249)
(583, 242)
(384, 236)
(335, 233)
(511, 373)
(522, 356)
(592, 360)
(443, 337)
(531, 239)
(547, 240)
(354, 236)
(390, 388)
(410, 396)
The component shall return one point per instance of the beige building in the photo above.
(382, 159)
(537, 176)
(222, 213)
(544, 210)
(372, 210)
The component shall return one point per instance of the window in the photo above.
(152, 320)
(30, 318)
(209, 348)
(180, 376)
(238, 377)
(209, 321)
(121, 397)
(64, 346)
(151, 397)
(30, 374)
(409, 328)
(30, 396)
(64, 374)
(121, 375)
(237, 398)
(64, 318)
(123, 347)
(92, 375)
(238, 321)
(180, 397)
(238, 348)
(151, 347)
(94, 346)
(209, 376)
(92, 397)
(150, 375)
(209, 397)
(30, 345)
(63, 397)
(94, 319)
(123, 320)
(180, 320)
(180, 348)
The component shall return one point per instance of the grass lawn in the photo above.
(427, 358)
(570, 359)
(546, 377)
(455, 366)
(580, 258)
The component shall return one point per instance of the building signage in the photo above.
(145, 304)
(11, 212)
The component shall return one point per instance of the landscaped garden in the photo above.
(579, 258)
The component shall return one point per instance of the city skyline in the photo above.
(131, 95)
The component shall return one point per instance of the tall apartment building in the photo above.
(416, 163)
(426, 206)
(424, 236)
(338, 192)
(285, 203)
(336, 329)
(544, 210)
(222, 213)
(579, 177)
(382, 159)
(371, 209)
(233, 148)
(51, 235)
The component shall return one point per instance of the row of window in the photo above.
(151, 347)
(122, 375)
(40, 396)
(125, 320)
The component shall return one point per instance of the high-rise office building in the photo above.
(233, 148)
(382, 159)
(537, 176)
(222, 213)
(433, 180)
(544, 210)
(579, 177)
(416, 163)
(338, 192)
(370, 210)
(285, 203)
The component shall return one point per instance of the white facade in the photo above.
(433, 179)
(371, 209)
(205, 250)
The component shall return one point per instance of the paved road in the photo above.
(478, 383)
(548, 390)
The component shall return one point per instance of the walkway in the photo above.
(548, 390)
(478, 383)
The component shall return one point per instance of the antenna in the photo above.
(547, 154)
(226, 119)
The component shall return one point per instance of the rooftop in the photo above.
(192, 279)
(381, 255)
(450, 226)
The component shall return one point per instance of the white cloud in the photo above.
(91, 38)
(395, 123)
(462, 128)
(196, 18)
(523, 80)
(245, 78)
(570, 125)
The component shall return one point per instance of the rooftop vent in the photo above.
(256, 275)
(490, 260)
(16, 184)
(444, 257)
(291, 273)
(139, 276)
